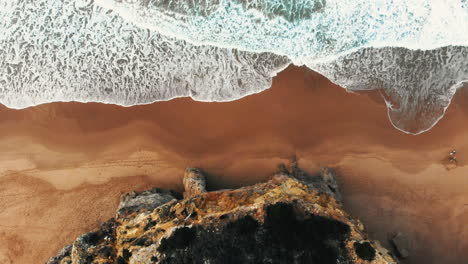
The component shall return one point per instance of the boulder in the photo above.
(292, 218)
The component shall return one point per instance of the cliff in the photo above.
(292, 218)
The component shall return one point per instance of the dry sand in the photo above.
(64, 165)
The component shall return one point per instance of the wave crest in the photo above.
(303, 29)
(130, 52)
(76, 51)
(418, 85)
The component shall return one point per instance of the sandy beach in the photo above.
(63, 166)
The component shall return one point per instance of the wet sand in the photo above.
(64, 165)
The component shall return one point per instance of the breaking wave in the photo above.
(131, 52)
(417, 85)
(67, 50)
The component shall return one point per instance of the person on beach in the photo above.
(452, 158)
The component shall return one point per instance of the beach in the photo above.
(63, 166)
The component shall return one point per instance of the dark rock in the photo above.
(89, 246)
(401, 244)
(63, 257)
(180, 238)
(364, 250)
(293, 218)
(147, 200)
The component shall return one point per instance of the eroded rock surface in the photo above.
(293, 218)
(194, 182)
(146, 200)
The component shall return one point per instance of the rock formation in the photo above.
(194, 182)
(401, 244)
(292, 218)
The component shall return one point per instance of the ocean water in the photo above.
(130, 52)
(69, 50)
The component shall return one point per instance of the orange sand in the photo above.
(64, 165)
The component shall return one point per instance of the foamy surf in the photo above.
(418, 85)
(77, 51)
(138, 52)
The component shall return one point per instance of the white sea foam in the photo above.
(303, 29)
(68, 50)
(217, 50)
(418, 85)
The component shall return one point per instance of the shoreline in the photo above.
(62, 157)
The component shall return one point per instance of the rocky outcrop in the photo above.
(293, 218)
(147, 200)
(194, 182)
(401, 245)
